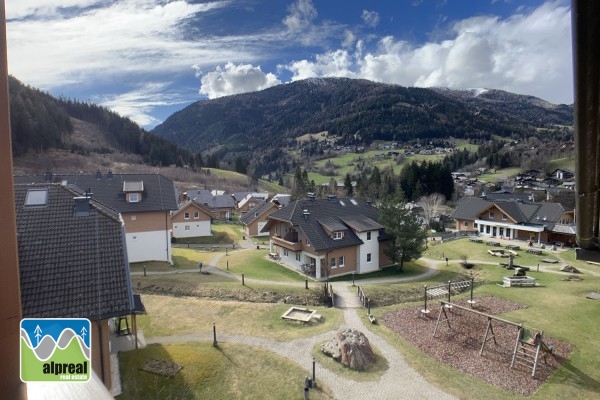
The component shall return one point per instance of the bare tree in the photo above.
(432, 205)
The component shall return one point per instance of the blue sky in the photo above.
(146, 59)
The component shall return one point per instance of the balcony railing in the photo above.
(294, 246)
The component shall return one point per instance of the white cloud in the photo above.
(234, 79)
(43, 8)
(526, 53)
(301, 15)
(138, 103)
(371, 18)
(114, 40)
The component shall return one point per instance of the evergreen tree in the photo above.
(408, 238)
(348, 185)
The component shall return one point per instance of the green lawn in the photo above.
(228, 371)
(169, 315)
(410, 269)
(254, 264)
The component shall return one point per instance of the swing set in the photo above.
(527, 347)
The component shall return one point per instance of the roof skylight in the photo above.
(36, 197)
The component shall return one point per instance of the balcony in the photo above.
(294, 246)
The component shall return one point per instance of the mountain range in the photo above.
(357, 111)
(257, 133)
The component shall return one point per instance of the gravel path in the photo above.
(400, 381)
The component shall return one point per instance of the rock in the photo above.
(351, 348)
(571, 269)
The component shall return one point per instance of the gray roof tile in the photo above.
(159, 191)
(71, 266)
(330, 213)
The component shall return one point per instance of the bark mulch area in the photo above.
(459, 346)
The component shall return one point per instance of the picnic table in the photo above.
(492, 243)
(476, 240)
(513, 247)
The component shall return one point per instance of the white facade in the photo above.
(148, 246)
(191, 228)
(368, 253)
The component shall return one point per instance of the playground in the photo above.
(459, 341)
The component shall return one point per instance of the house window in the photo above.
(341, 261)
(134, 197)
(196, 215)
(333, 263)
(186, 215)
(133, 217)
(285, 252)
(491, 214)
(338, 235)
(368, 235)
(369, 257)
(466, 224)
(255, 214)
(504, 217)
(187, 227)
(298, 256)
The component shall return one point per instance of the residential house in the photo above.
(221, 206)
(255, 220)
(542, 222)
(328, 237)
(73, 262)
(250, 201)
(563, 174)
(191, 220)
(145, 202)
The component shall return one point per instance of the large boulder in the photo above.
(351, 348)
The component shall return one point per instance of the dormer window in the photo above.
(337, 235)
(133, 191)
(134, 197)
(491, 215)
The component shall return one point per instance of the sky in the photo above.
(146, 59)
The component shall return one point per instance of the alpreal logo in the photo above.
(55, 350)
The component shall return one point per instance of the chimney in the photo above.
(109, 175)
(306, 214)
(48, 176)
(98, 175)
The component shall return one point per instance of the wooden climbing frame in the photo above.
(525, 352)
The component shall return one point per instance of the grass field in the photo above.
(226, 372)
(255, 265)
(179, 316)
